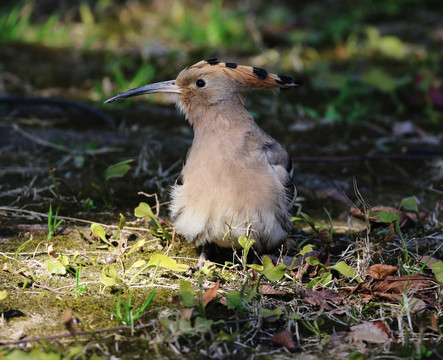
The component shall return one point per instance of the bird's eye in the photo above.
(200, 83)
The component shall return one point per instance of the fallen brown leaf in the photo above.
(420, 290)
(210, 294)
(322, 298)
(369, 332)
(284, 338)
(380, 271)
(382, 326)
(51, 250)
(269, 290)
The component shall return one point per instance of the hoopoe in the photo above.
(237, 180)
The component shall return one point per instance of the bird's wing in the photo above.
(282, 165)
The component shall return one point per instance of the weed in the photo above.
(53, 224)
(79, 289)
(128, 314)
(143, 210)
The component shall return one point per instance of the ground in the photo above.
(361, 273)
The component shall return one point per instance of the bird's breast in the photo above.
(224, 191)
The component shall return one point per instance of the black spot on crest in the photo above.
(231, 65)
(213, 61)
(261, 73)
(279, 82)
(286, 79)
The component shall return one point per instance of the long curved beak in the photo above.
(160, 87)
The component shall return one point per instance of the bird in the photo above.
(236, 180)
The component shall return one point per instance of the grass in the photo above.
(128, 314)
(53, 224)
(348, 79)
(203, 315)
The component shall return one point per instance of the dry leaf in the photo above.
(382, 326)
(269, 290)
(380, 271)
(421, 290)
(51, 250)
(322, 298)
(284, 338)
(368, 332)
(433, 318)
(422, 259)
(210, 294)
(186, 313)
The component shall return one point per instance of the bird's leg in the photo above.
(206, 252)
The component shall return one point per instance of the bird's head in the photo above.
(211, 82)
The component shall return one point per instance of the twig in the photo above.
(40, 141)
(61, 147)
(47, 288)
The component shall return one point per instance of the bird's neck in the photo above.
(220, 119)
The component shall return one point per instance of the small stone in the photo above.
(110, 259)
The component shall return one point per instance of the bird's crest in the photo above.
(248, 77)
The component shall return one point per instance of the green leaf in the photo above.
(391, 46)
(271, 315)
(386, 216)
(137, 264)
(380, 79)
(202, 325)
(437, 269)
(122, 223)
(346, 270)
(233, 300)
(54, 266)
(137, 245)
(166, 263)
(186, 294)
(272, 273)
(410, 204)
(117, 170)
(143, 210)
(246, 242)
(109, 276)
(98, 231)
(313, 261)
(323, 279)
(256, 267)
(64, 260)
(307, 249)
